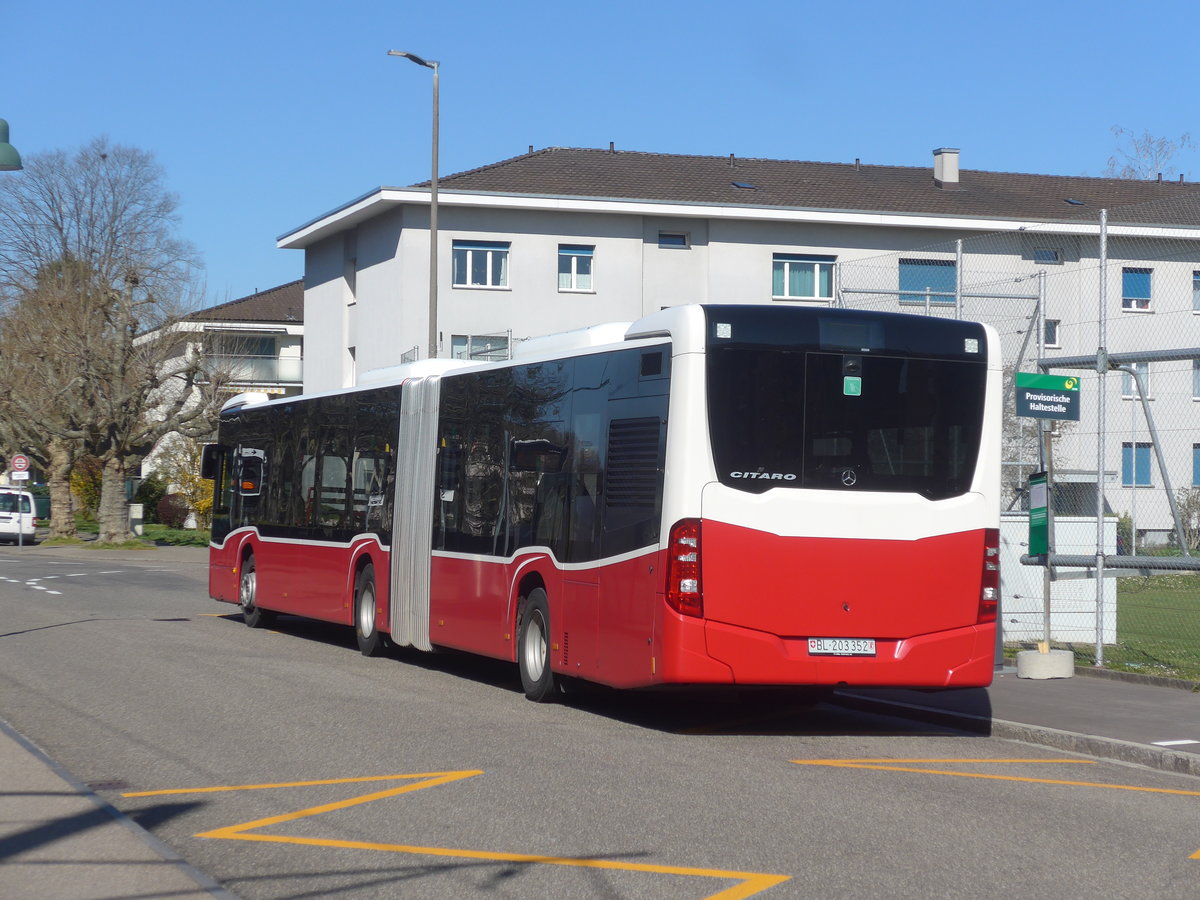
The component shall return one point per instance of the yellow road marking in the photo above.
(288, 784)
(749, 883)
(879, 765)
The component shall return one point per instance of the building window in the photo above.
(1196, 291)
(1047, 255)
(1135, 289)
(797, 277)
(1050, 333)
(480, 263)
(927, 278)
(1196, 379)
(675, 239)
(1129, 389)
(1135, 464)
(479, 347)
(574, 267)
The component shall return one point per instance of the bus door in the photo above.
(581, 585)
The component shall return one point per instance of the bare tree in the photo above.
(1144, 156)
(43, 401)
(92, 271)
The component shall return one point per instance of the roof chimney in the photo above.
(945, 168)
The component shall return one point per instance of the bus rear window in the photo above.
(798, 418)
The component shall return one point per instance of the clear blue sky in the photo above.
(266, 114)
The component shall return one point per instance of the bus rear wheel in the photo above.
(366, 625)
(533, 649)
(252, 614)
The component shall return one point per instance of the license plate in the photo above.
(841, 647)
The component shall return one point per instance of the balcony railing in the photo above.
(258, 369)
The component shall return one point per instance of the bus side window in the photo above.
(217, 464)
(308, 475)
(334, 498)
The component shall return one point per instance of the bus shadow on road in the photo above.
(709, 709)
(784, 711)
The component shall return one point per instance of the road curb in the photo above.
(1178, 684)
(1161, 758)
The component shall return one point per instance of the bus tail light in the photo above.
(684, 592)
(989, 591)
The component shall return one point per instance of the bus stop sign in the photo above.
(1048, 396)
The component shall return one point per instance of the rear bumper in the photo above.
(709, 652)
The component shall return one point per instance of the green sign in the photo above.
(1039, 519)
(852, 385)
(1048, 396)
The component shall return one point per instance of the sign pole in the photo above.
(20, 472)
(1046, 398)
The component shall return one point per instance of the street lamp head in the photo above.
(420, 61)
(10, 159)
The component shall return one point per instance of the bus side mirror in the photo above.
(210, 461)
(251, 477)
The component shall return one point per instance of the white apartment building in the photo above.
(560, 238)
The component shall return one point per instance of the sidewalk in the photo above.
(1147, 721)
(58, 839)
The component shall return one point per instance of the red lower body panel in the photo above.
(601, 617)
(303, 579)
(764, 596)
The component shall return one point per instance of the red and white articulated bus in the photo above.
(725, 494)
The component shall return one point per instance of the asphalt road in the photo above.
(285, 765)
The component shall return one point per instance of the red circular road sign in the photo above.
(20, 463)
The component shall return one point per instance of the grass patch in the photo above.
(1158, 626)
(1158, 629)
(62, 542)
(135, 544)
(176, 537)
(152, 536)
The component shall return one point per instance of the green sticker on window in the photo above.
(852, 385)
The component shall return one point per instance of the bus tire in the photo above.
(366, 625)
(533, 649)
(252, 614)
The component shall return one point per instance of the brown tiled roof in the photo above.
(628, 175)
(278, 304)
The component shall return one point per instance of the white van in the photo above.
(17, 525)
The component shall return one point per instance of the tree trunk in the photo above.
(114, 508)
(58, 478)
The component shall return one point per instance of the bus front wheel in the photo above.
(533, 648)
(252, 614)
(366, 626)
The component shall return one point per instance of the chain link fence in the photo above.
(1111, 298)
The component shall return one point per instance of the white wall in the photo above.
(1072, 603)
(386, 315)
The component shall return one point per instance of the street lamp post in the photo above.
(10, 159)
(433, 202)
